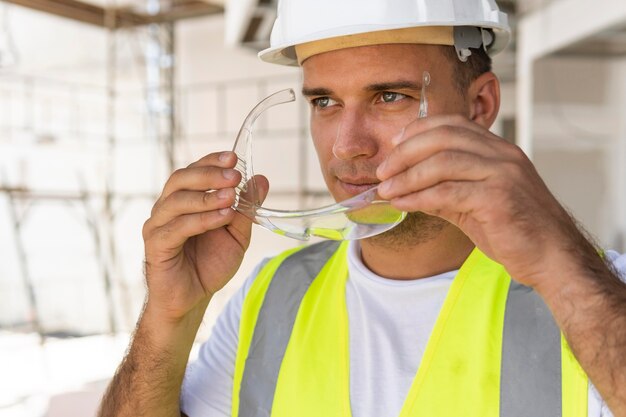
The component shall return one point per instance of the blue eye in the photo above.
(323, 102)
(390, 97)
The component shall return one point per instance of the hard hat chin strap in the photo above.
(466, 37)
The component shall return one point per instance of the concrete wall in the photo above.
(578, 137)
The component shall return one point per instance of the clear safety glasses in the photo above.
(359, 217)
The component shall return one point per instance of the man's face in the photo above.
(361, 98)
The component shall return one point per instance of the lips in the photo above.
(357, 185)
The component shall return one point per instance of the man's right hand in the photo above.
(194, 245)
(194, 241)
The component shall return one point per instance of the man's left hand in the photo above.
(453, 168)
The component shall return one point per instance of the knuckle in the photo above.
(166, 205)
(161, 236)
(146, 229)
(458, 119)
(207, 198)
(514, 169)
(446, 157)
(395, 157)
(447, 189)
(518, 153)
(414, 175)
(445, 130)
(175, 178)
(155, 207)
(164, 233)
(205, 170)
(185, 200)
(207, 219)
(209, 171)
(178, 173)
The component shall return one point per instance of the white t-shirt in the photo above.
(390, 323)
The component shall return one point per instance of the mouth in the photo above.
(356, 186)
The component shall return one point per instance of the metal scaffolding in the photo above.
(164, 127)
(157, 18)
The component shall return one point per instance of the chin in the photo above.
(417, 228)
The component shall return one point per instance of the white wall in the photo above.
(578, 138)
(62, 256)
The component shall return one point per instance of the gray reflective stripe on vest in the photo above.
(274, 325)
(531, 347)
(531, 357)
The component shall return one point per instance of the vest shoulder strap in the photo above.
(268, 315)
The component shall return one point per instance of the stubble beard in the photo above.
(417, 228)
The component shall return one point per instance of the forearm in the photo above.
(149, 380)
(588, 302)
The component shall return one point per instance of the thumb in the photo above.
(262, 186)
(242, 223)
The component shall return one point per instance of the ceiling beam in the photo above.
(95, 15)
(186, 9)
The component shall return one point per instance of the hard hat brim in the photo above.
(285, 54)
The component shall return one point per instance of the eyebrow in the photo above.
(394, 85)
(308, 92)
(386, 86)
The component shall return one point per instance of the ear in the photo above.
(483, 97)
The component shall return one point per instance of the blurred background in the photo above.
(101, 99)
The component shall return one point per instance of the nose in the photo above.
(354, 137)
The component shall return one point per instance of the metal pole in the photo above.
(29, 286)
(160, 97)
(171, 93)
(110, 20)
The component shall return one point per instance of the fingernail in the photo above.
(223, 193)
(225, 211)
(224, 156)
(381, 169)
(398, 138)
(384, 187)
(229, 174)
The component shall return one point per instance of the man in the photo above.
(452, 313)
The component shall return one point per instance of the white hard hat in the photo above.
(306, 27)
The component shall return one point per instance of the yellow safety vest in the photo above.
(494, 350)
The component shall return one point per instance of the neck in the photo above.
(442, 253)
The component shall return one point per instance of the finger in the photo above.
(449, 200)
(201, 178)
(171, 236)
(441, 167)
(445, 137)
(226, 159)
(432, 122)
(188, 202)
(241, 226)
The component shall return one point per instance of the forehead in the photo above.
(377, 63)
